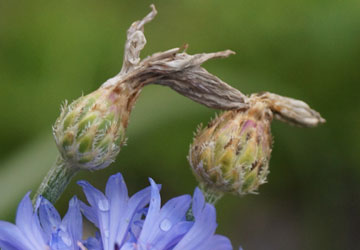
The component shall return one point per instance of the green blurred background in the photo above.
(309, 49)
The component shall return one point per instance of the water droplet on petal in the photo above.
(103, 205)
(165, 225)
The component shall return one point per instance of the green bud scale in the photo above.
(232, 153)
(91, 130)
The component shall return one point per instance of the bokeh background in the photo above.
(308, 49)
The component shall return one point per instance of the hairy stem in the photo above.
(55, 181)
(211, 196)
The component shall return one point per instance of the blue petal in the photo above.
(173, 212)
(153, 213)
(11, 238)
(57, 243)
(100, 205)
(133, 213)
(93, 244)
(28, 222)
(130, 246)
(170, 239)
(198, 202)
(92, 194)
(204, 227)
(38, 231)
(72, 222)
(136, 227)
(49, 218)
(89, 213)
(217, 242)
(116, 192)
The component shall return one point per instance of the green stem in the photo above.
(211, 196)
(55, 182)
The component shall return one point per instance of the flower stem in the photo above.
(211, 196)
(55, 181)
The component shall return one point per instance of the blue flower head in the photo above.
(125, 223)
(42, 228)
(139, 222)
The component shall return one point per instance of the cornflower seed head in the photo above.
(90, 131)
(232, 153)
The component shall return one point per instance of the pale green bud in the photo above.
(232, 153)
(91, 130)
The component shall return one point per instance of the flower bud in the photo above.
(91, 130)
(232, 153)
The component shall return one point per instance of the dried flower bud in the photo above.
(91, 130)
(232, 153)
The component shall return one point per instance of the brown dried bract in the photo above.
(289, 110)
(183, 73)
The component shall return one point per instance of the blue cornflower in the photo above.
(139, 222)
(42, 228)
